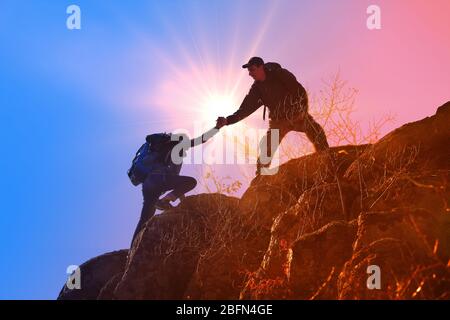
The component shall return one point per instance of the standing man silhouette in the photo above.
(278, 90)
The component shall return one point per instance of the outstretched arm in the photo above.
(182, 142)
(250, 104)
(177, 148)
(204, 137)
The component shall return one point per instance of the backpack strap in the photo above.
(272, 67)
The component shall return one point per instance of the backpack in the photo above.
(149, 158)
(272, 67)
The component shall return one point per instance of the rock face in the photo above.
(95, 274)
(324, 227)
(170, 250)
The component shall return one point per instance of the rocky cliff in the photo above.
(312, 231)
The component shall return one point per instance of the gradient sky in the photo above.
(75, 105)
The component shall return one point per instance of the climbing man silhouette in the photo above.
(159, 172)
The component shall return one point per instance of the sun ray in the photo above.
(200, 79)
(258, 38)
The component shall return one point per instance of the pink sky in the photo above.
(403, 69)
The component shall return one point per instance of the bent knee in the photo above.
(192, 182)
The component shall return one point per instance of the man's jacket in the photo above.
(280, 92)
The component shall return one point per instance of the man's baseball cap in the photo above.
(257, 61)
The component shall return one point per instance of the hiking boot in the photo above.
(259, 167)
(163, 204)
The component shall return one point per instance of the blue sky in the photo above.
(69, 130)
(65, 155)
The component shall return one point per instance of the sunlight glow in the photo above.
(201, 80)
(214, 102)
